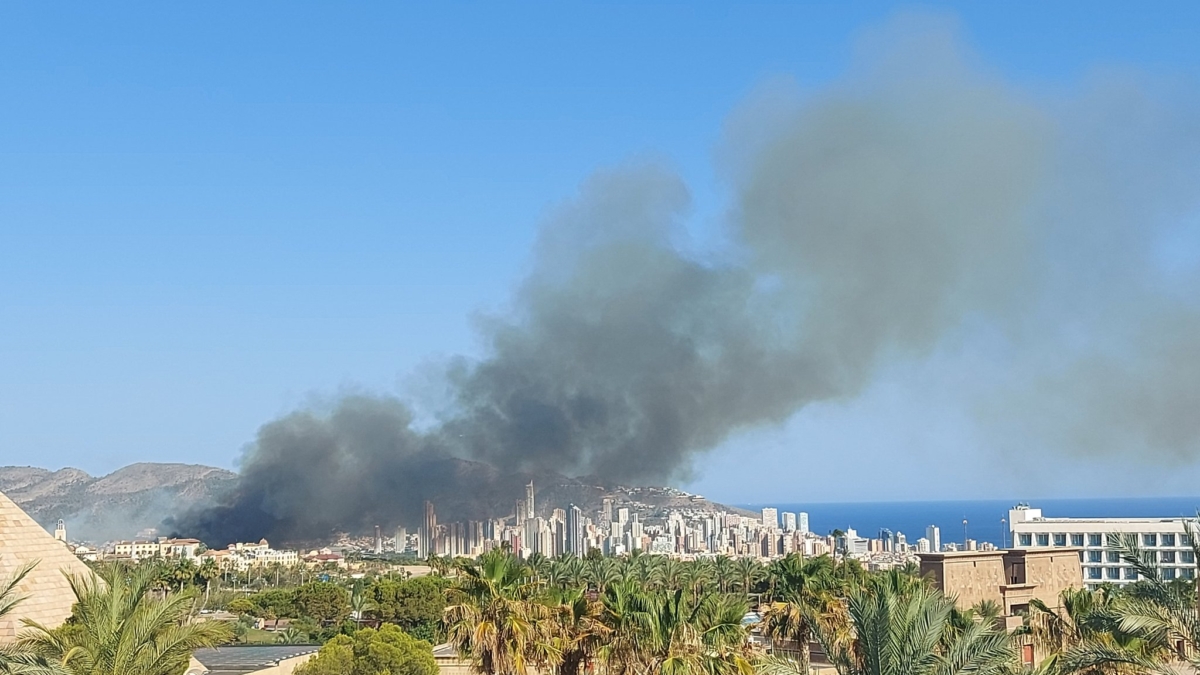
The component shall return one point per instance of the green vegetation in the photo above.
(121, 627)
(387, 651)
(633, 615)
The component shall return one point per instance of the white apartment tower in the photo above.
(770, 518)
(802, 522)
(530, 512)
(934, 534)
(789, 522)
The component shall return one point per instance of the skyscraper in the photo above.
(530, 512)
(770, 517)
(401, 539)
(802, 522)
(427, 536)
(606, 513)
(934, 535)
(378, 541)
(789, 521)
(574, 543)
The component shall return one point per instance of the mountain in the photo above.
(139, 496)
(115, 506)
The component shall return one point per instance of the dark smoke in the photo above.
(870, 221)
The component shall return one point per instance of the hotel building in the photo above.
(1167, 538)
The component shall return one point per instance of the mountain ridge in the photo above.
(139, 496)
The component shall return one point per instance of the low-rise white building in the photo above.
(1167, 538)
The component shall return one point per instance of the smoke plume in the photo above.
(869, 221)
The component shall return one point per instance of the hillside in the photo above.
(113, 506)
(139, 496)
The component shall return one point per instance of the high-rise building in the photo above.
(401, 539)
(770, 518)
(519, 512)
(802, 522)
(789, 521)
(378, 540)
(574, 543)
(427, 535)
(530, 512)
(934, 534)
(606, 512)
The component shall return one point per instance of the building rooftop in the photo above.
(240, 660)
(1104, 520)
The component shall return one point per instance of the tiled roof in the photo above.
(48, 597)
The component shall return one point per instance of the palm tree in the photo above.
(580, 633)
(749, 573)
(698, 577)
(493, 621)
(207, 571)
(360, 604)
(601, 572)
(908, 631)
(663, 632)
(119, 628)
(725, 572)
(803, 590)
(1083, 635)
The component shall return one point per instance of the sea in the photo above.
(985, 518)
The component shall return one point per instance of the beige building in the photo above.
(1009, 578)
(136, 549)
(48, 597)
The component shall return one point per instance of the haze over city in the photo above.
(889, 253)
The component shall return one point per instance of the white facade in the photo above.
(789, 522)
(802, 522)
(1167, 538)
(770, 518)
(934, 534)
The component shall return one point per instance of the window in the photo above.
(1187, 573)
(1130, 573)
(1166, 557)
(1112, 556)
(1168, 540)
(1025, 539)
(1112, 572)
(1185, 540)
(1112, 539)
(1077, 540)
(1094, 540)
(1149, 540)
(1060, 540)
(1093, 573)
(1081, 556)
(1043, 540)
(1188, 557)
(1094, 556)
(1168, 573)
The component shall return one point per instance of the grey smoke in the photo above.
(870, 221)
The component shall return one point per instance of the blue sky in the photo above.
(211, 215)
